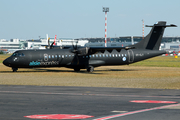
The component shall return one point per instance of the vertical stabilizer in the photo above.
(153, 40)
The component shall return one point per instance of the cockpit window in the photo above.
(18, 55)
(14, 54)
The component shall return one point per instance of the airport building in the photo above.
(18, 44)
(168, 43)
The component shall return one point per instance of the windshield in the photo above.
(18, 55)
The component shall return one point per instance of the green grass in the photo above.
(3, 57)
(161, 61)
(157, 73)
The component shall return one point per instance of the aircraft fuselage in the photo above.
(65, 58)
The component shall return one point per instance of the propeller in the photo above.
(54, 43)
(48, 47)
(74, 48)
(51, 45)
(75, 51)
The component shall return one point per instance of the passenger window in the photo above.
(119, 55)
(23, 55)
(109, 55)
(86, 56)
(100, 55)
(96, 55)
(106, 55)
(49, 56)
(113, 55)
(69, 55)
(92, 55)
(103, 55)
(56, 56)
(89, 55)
(59, 55)
(45, 57)
(62, 56)
(122, 55)
(66, 55)
(125, 54)
(52, 56)
(116, 55)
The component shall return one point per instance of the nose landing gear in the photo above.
(14, 69)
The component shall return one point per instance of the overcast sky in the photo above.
(29, 19)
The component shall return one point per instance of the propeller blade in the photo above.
(75, 51)
(51, 45)
(48, 42)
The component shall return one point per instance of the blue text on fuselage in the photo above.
(34, 63)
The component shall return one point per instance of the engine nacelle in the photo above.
(83, 51)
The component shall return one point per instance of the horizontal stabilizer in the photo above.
(153, 40)
(161, 24)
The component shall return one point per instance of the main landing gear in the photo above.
(14, 69)
(76, 69)
(90, 69)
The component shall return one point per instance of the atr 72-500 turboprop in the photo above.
(89, 57)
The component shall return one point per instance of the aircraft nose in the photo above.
(6, 62)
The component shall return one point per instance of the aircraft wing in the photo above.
(92, 50)
(109, 49)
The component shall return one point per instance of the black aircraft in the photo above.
(89, 57)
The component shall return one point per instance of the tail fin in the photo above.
(153, 40)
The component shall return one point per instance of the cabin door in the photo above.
(131, 55)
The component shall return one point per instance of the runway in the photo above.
(19, 102)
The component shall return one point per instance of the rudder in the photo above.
(153, 40)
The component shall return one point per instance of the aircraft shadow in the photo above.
(36, 70)
(123, 70)
(48, 70)
(118, 70)
(70, 71)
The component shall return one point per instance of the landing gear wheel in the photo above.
(76, 69)
(90, 69)
(14, 69)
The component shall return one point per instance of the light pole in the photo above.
(142, 29)
(105, 9)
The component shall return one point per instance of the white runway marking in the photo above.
(134, 112)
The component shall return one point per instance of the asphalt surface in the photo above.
(112, 103)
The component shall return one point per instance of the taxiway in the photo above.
(102, 103)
